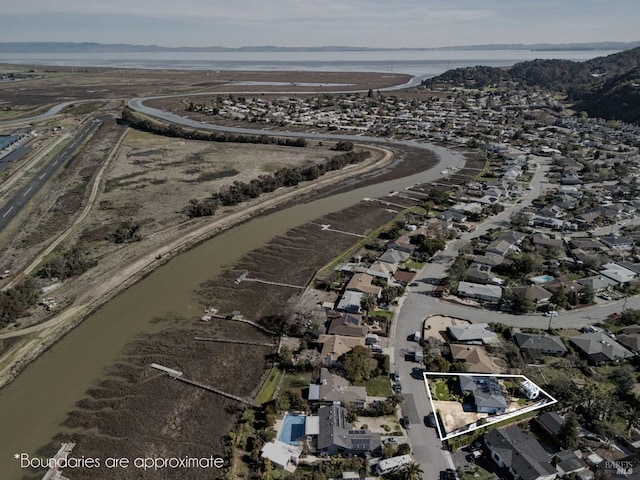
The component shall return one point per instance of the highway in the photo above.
(15, 154)
(13, 207)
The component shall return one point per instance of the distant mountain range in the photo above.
(606, 87)
(92, 47)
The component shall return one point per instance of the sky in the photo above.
(312, 23)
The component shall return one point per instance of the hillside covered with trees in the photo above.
(604, 87)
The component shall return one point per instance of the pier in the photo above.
(328, 228)
(177, 375)
(241, 342)
(54, 473)
(244, 277)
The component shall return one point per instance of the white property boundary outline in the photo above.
(495, 418)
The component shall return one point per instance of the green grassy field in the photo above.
(269, 387)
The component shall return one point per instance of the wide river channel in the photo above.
(34, 405)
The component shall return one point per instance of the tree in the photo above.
(357, 364)
(519, 219)
(569, 432)
(412, 471)
(368, 302)
(559, 297)
(523, 264)
(587, 294)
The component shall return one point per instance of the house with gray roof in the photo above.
(337, 436)
(393, 256)
(487, 393)
(617, 273)
(629, 336)
(479, 291)
(617, 242)
(514, 449)
(599, 283)
(474, 333)
(333, 388)
(600, 348)
(537, 346)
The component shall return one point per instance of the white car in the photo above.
(551, 313)
(605, 296)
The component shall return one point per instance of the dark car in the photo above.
(405, 422)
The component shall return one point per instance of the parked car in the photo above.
(551, 313)
(405, 422)
(430, 420)
(398, 388)
(605, 296)
(396, 376)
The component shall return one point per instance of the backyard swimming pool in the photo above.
(541, 279)
(292, 429)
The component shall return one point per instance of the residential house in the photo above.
(350, 302)
(474, 333)
(502, 247)
(587, 244)
(333, 388)
(474, 356)
(394, 256)
(617, 273)
(629, 336)
(541, 241)
(551, 424)
(599, 348)
(616, 242)
(402, 243)
(452, 216)
(489, 259)
(334, 346)
(478, 273)
(336, 436)
(536, 346)
(282, 455)
(382, 269)
(512, 448)
(567, 462)
(489, 293)
(538, 294)
(404, 277)
(361, 282)
(599, 283)
(348, 325)
(487, 393)
(563, 283)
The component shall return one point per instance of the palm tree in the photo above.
(412, 471)
(368, 302)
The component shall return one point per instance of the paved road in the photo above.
(15, 154)
(426, 445)
(13, 207)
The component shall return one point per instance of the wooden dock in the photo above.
(54, 473)
(177, 375)
(227, 340)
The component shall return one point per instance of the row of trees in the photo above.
(71, 263)
(14, 302)
(284, 177)
(135, 120)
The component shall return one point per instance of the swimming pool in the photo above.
(541, 279)
(292, 429)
